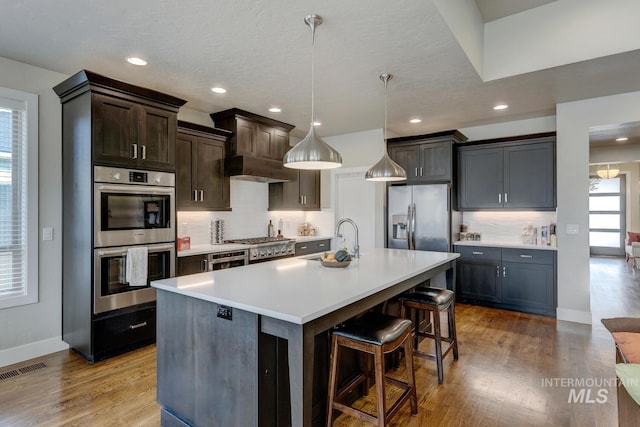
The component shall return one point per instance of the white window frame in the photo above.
(31, 280)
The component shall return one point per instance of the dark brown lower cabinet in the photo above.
(191, 264)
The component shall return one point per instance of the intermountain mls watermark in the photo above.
(586, 390)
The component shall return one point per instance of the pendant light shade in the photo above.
(312, 152)
(386, 169)
(608, 172)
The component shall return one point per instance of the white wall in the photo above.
(32, 330)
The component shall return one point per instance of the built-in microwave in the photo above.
(111, 289)
(133, 207)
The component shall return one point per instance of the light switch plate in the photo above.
(47, 233)
(572, 228)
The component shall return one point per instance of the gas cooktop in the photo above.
(258, 240)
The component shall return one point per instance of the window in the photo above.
(18, 198)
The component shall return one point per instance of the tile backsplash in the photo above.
(249, 216)
(505, 226)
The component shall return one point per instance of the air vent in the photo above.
(21, 371)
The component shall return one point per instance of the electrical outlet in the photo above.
(224, 312)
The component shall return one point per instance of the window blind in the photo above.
(13, 198)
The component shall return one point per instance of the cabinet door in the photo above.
(114, 131)
(191, 264)
(435, 162)
(245, 137)
(529, 287)
(281, 144)
(264, 142)
(157, 138)
(210, 174)
(478, 281)
(309, 185)
(529, 176)
(409, 158)
(480, 178)
(185, 183)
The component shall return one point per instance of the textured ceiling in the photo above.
(259, 50)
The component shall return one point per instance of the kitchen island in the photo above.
(210, 328)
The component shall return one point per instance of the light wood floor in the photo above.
(498, 380)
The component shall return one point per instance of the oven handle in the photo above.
(227, 259)
(135, 189)
(123, 250)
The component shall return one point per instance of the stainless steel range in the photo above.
(267, 248)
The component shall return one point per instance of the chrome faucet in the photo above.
(356, 245)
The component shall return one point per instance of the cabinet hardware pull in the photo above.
(416, 171)
(478, 253)
(144, 152)
(526, 256)
(303, 247)
(204, 264)
(301, 202)
(195, 195)
(499, 198)
(497, 271)
(138, 325)
(506, 199)
(420, 170)
(135, 151)
(201, 195)
(321, 245)
(504, 271)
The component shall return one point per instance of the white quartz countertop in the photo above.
(211, 249)
(514, 245)
(299, 290)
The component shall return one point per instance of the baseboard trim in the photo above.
(576, 316)
(21, 353)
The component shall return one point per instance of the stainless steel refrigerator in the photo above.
(419, 217)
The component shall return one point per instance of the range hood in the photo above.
(257, 146)
(258, 169)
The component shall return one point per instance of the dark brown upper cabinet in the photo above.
(301, 194)
(426, 158)
(201, 183)
(130, 126)
(508, 173)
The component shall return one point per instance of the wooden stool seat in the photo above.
(432, 301)
(375, 334)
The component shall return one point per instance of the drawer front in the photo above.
(117, 334)
(529, 256)
(304, 248)
(479, 253)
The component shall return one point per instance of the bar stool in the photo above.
(432, 301)
(375, 334)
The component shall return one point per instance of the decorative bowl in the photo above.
(335, 264)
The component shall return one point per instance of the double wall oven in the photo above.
(133, 210)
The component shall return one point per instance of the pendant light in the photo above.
(386, 169)
(312, 152)
(608, 173)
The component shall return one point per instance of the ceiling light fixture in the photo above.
(218, 89)
(415, 121)
(622, 139)
(136, 61)
(607, 173)
(317, 123)
(275, 109)
(312, 152)
(501, 107)
(386, 169)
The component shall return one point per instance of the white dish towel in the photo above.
(137, 259)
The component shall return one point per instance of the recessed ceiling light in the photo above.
(275, 109)
(317, 123)
(218, 89)
(415, 121)
(136, 61)
(501, 107)
(622, 139)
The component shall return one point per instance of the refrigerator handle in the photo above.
(409, 226)
(411, 220)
